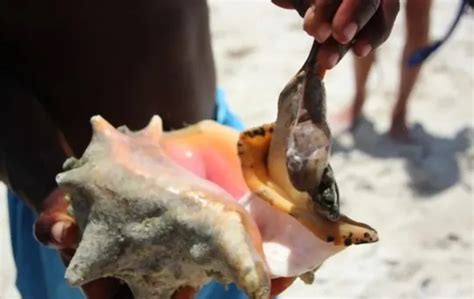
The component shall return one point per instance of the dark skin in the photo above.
(65, 61)
(101, 63)
(336, 24)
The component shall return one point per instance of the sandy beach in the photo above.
(419, 196)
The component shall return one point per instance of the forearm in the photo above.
(158, 62)
(30, 149)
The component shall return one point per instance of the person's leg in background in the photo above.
(362, 67)
(417, 33)
(348, 118)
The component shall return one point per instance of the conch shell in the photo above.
(166, 210)
(152, 223)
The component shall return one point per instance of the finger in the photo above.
(279, 285)
(107, 288)
(378, 29)
(362, 47)
(185, 293)
(56, 230)
(330, 53)
(56, 201)
(317, 21)
(351, 16)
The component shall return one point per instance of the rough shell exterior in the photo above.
(151, 223)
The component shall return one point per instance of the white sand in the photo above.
(418, 197)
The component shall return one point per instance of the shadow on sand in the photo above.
(431, 161)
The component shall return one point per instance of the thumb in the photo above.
(56, 229)
(54, 226)
(185, 293)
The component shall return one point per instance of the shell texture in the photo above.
(154, 224)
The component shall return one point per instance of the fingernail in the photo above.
(309, 21)
(322, 33)
(332, 60)
(350, 31)
(59, 230)
(365, 50)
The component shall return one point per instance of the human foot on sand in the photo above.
(399, 130)
(401, 133)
